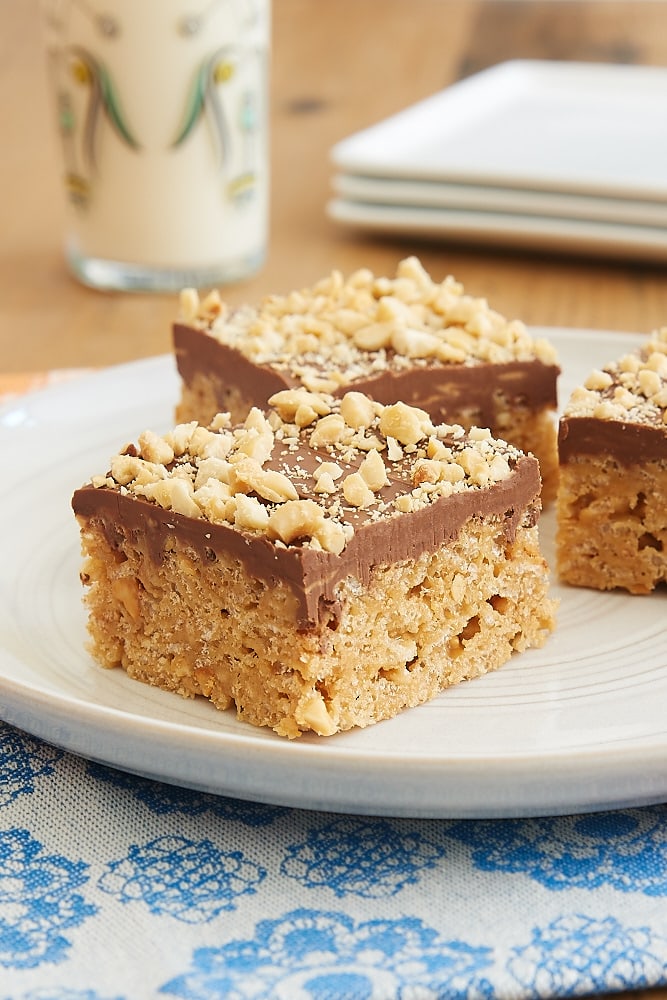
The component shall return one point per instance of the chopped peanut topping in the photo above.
(309, 483)
(341, 329)
(632, 389)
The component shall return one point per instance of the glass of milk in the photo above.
(162, 116)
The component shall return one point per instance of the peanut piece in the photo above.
(408, 424)
(415, 343)
(155, 449)
(328, 430)
(356, 491)
(357, 410)
(373, 337)
(248, 476)
(250, 513)
(312, 714)
(288, 401)
(173, 494)
(189, 304)
(598, 380)
(126, 592)
(294, 519)
(372, 470)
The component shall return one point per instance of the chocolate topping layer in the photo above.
(629, 443)
(313, 575)
(405, 338)
(621, 409)
(443, 389)
(313, 491)
(197, 352)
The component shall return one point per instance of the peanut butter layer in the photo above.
(318, 490)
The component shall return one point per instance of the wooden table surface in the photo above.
(336, 67)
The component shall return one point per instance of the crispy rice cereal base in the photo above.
(611, 510)
(612, 524)
(419, 627)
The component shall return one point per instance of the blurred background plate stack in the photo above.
(529, 153)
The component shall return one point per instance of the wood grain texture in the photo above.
(335, 68)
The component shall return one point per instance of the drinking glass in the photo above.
(162, 115)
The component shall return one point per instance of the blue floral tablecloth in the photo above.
(114, 887)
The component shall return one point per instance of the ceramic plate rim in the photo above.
(20, 698)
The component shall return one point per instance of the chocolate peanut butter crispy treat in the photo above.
(323, 565)
(612, 511)
(407, 338)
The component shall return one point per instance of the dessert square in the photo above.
(325, 564)
(611, 509)
(405, 338)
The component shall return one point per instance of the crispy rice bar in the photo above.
(406, 338)
(323, 565)
(612, 506)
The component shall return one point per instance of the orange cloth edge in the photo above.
(14, 384)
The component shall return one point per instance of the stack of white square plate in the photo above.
(553, 155)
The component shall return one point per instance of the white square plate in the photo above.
(582, 237)
(408, 193)
(595, 129)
